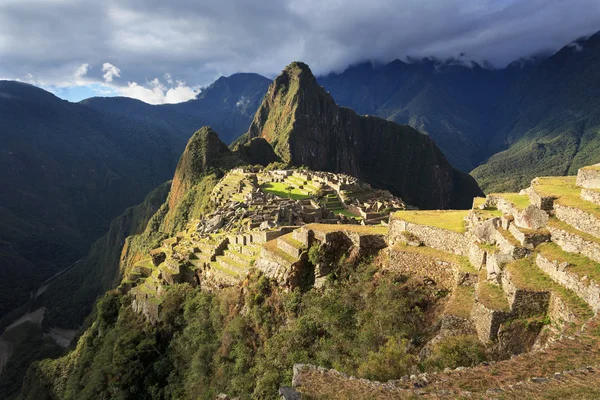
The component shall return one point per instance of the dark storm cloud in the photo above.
(196, 41)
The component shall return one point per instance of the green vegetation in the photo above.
(578, 264)
(456, 351)
(451, 220)
(281, 189)
(566, 192)
(461, 302)
(491, 296)
(244, 343)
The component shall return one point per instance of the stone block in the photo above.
(589, 177)
(477, 256)
(531, 217)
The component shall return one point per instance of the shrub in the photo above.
(456, 351)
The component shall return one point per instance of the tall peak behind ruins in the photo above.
(306, 127)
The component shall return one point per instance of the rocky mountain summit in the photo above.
(306, 127)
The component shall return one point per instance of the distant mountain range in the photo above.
(69, 169)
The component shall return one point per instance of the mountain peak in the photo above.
(203, 153)
(305, 126)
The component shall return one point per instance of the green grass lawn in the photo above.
(280, 189)
(595, 167)
(566, 192)
(452, 220)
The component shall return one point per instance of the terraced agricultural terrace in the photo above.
(519, 272)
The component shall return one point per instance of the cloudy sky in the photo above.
(163, 51)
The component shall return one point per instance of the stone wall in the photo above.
(591, 195)
(437, 238)
(420, 265)
(586, 289)
(545, 203)
(524, 303)
(579, 219)
(477, 256)
(487, 321)
(265, 236)
(575, 244)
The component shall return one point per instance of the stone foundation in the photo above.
(545, 203)
(524, 303)
(487, 321)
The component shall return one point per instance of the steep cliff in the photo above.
(306, 127)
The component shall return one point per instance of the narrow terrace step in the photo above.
(274, 252)
(575, 272)
(223, 276)
(238, 257)
(572, 240)
(569, 207)
(289, 245)
(529, 238)
(227, 264)
(250, 250)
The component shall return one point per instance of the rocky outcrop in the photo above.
(306, 127)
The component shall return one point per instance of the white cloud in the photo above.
(199, 41)
(82, 71)
(110, 72)
(158, 93)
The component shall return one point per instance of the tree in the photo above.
(289, 190)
